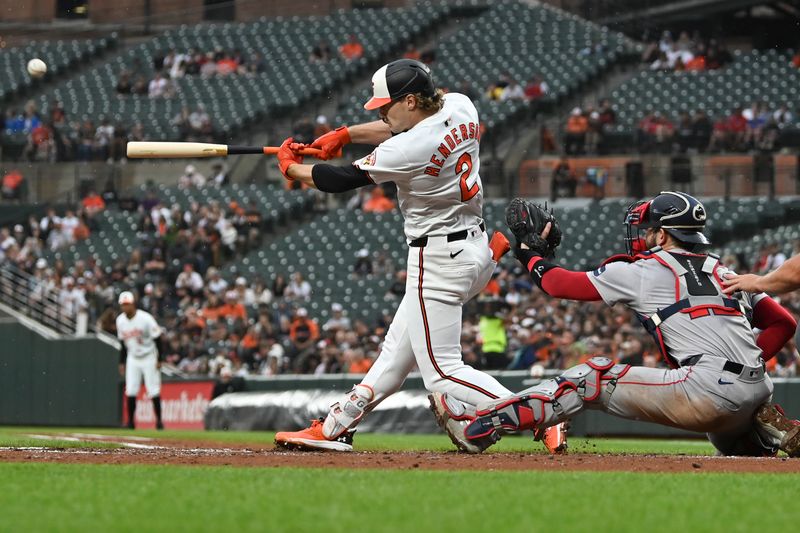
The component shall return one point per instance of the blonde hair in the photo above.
(430, 103)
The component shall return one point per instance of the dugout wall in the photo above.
(57, 382)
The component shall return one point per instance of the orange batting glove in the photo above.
(331, 143)
(499, 245)
(287, 157)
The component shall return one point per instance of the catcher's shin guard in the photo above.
(772, 424)
(549, 402)
(347, 413)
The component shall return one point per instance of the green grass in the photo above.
(51, 497)
(387, 442)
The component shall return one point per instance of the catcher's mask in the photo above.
(677, 213)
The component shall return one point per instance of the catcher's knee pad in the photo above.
(346, 414)
(551, 401)
(595, 377)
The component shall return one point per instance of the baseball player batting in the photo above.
(716, 383)
(140, 356)
(427, 144)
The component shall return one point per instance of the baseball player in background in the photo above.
(716, 384)
(140, 356)
(427, 144)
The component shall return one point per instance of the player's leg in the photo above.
(695, 398)
(152, 383)
(551, 402)
(554, 437)
(744, 442)
(437, 287)
(440, 281)
(772, 425)
(385, 377)
(763, 434)
(133, 382)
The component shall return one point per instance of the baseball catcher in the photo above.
(716, 383)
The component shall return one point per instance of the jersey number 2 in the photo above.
(464, 166)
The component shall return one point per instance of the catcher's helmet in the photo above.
(677, 213)
(399, 78)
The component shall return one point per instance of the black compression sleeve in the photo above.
(330, 178)
(159, 348)
(123, 353)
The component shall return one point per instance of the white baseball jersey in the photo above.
(138, 333)
(435, 166)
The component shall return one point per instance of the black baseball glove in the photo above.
(527, 220)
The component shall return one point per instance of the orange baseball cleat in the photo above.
(499, 245)
(312, 438)
(554, 438)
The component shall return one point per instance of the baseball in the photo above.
(37, 68)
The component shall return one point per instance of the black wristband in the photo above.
(538, 272)
(524, 255)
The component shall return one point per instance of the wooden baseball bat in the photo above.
(165, 150)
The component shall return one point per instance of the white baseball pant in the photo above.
(426, 329)
(142, 368)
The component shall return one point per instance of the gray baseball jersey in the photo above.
(719, 381)
(647, 286)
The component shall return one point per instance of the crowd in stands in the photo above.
(756, 127)
(53, 136)
(14, 186)
(305, 130)
(507, 88)
(351, 50)
(586, 126)
(173, 64)
(194, 125)
(686, 53)
(25, 243)
(256, 326)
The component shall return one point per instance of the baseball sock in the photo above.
(157, 407)
(131, 409)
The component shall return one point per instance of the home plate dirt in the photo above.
(156, 452)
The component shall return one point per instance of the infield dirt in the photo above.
(207, 453)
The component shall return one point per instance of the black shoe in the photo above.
(129, 425)
(159, 425)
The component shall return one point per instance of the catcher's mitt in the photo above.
(527, 220)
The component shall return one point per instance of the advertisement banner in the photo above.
(183, 404)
